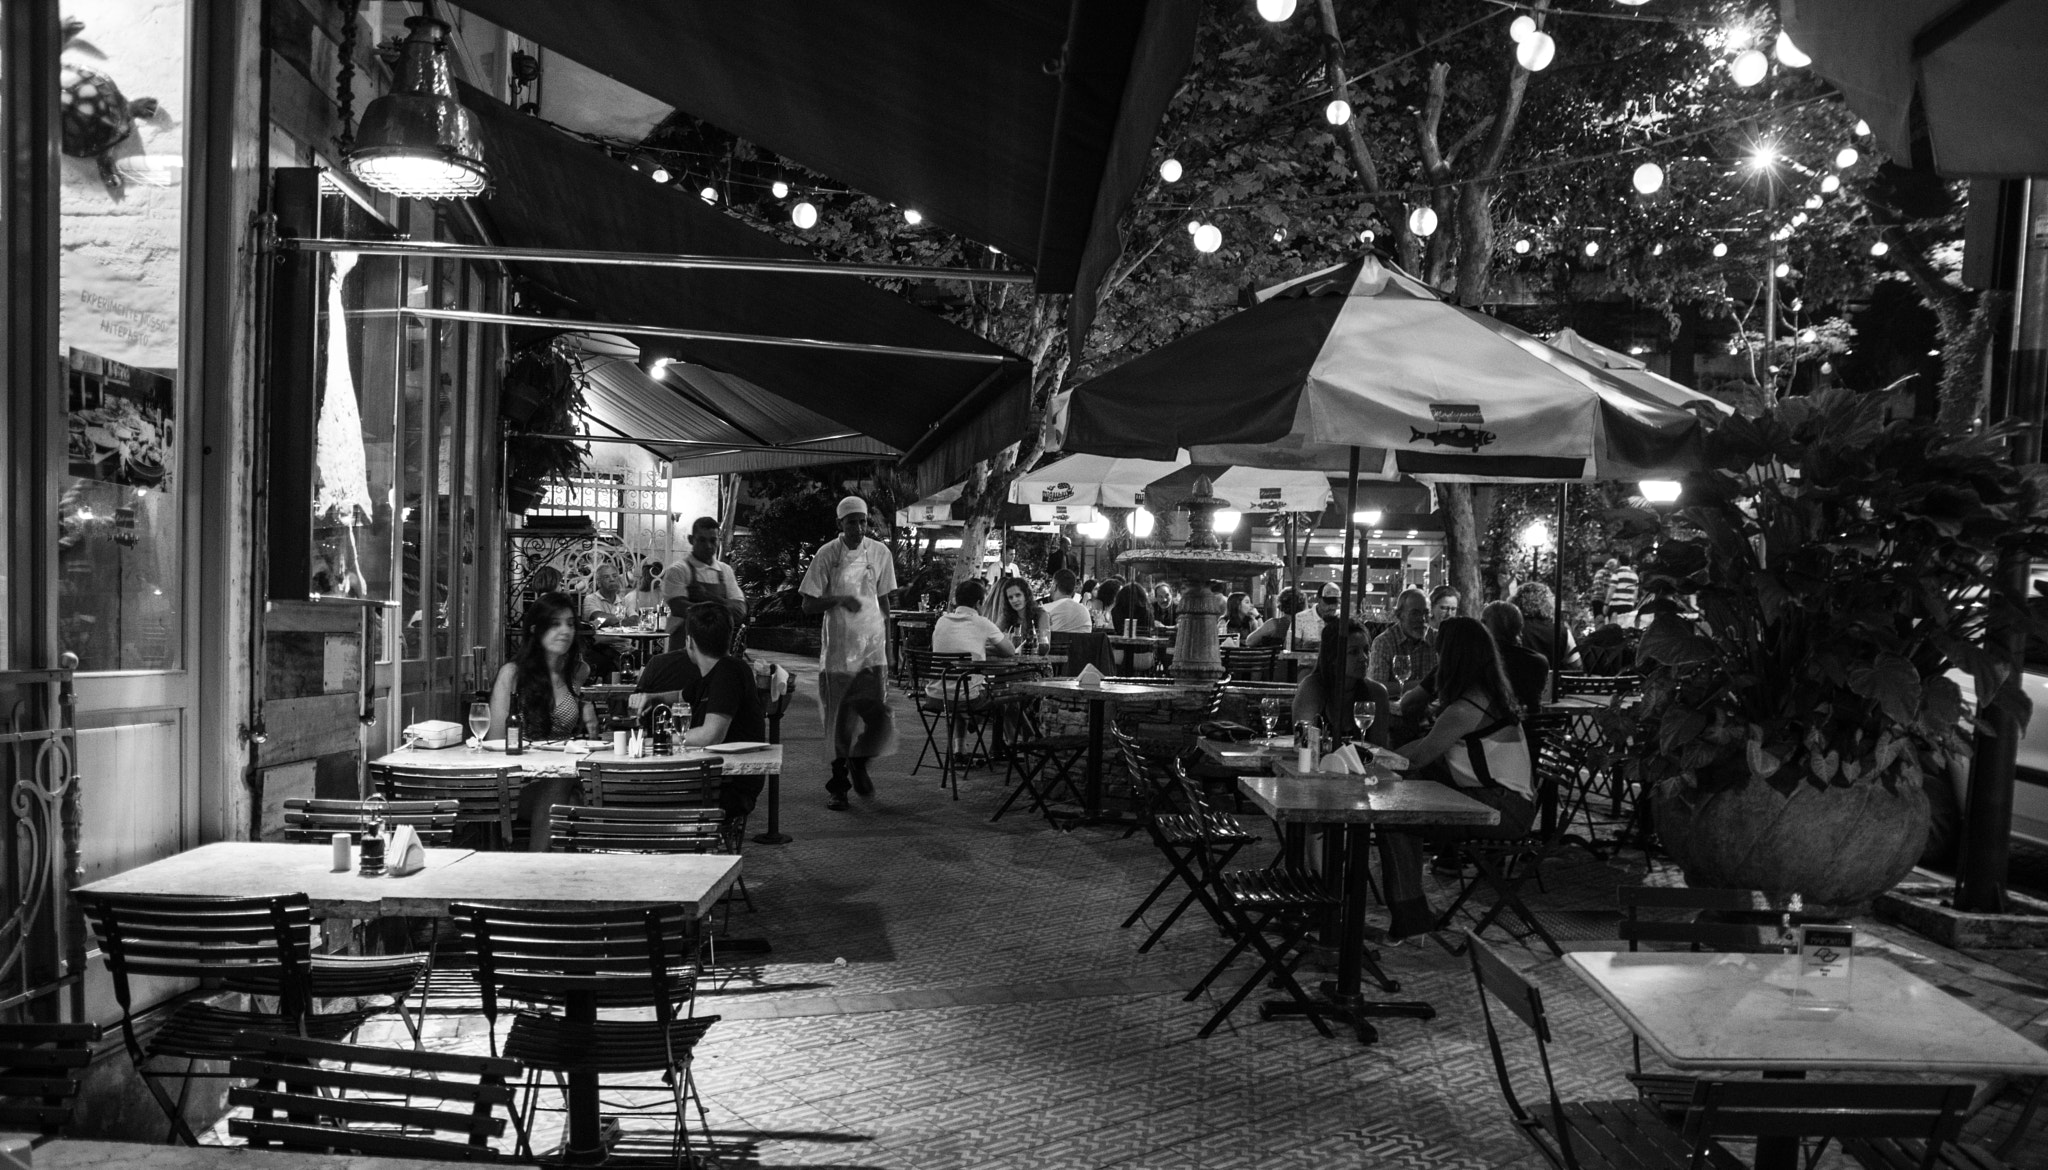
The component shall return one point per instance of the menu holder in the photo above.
(1826, 954)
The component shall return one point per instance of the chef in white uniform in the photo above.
(849, 582)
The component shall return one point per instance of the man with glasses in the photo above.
(701, 577)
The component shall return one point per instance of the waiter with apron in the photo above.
(849, 582)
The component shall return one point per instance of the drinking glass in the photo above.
(1361, 713)
(1273, 715)
(1404, 665)
(479, 723)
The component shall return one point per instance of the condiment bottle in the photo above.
(373, 850)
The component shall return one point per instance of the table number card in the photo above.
(1824, 952)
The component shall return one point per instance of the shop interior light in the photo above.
(1369, 517)
(418, 142)
(1142, 523)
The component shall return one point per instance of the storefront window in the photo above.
(121, 578)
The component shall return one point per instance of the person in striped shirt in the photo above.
(1622, 586)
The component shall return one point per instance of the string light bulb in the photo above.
(1649, 178)
(779, 189)
(1592, 247)
(1830, 184)
(1276, 11)
(1763, 157)
(1170, 170)
(1422, 221)
(1789, 54)
(913, 216)
(1208, 238)
(1656, 249)
(1862, 128)
(1748, 68)
(1337, 112)
(1846, 157)
(1194, 225)
(1536, 52)
(804, 215)
(1782, 271)
(708, 194)
(1720, 250)
(1813, 202)
(659, 174)
(1522, 29)
(1880, 248)
(1367, 236)
(1522, 247)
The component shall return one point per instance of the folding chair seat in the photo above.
(40, 1069)
(354, 1099)
(590, 961)
(485, 797)
(259, 946)
(1178, 835)
(1578, 1135)
(1503, 864)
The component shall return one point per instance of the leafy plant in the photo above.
(1842, 564)
(544, 395)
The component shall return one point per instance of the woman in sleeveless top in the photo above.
(546, 683)
(1477, 746)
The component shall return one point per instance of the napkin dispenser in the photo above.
(1089, 676)
(405, 854)
(434, 733)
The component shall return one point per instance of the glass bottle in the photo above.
(515, 736)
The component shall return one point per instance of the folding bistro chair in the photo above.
(40, 1069)
(665, 782)
(316, 821)
(354, 1099)
(1912, 1122)
(1250, 663)
(485, 797)
(1503, 864)
(1578, 1135)
(260, 946)
(933, 703)
(1042, 764)
(1178, 836)
(588, 961)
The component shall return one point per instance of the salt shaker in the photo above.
(341, 845)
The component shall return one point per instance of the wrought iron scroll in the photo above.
(42, 939)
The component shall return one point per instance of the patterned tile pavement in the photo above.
(947, 992)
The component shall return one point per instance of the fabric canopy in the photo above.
(1634, 371)
(1362, 357)
(733, 426)
(1023, 124)
(553, 191)
(1961, 85)
(1091, 480)
(1247, 489)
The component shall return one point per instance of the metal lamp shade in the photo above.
(418, 142)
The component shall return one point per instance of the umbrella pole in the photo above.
(1340, 690)
(1564, 492)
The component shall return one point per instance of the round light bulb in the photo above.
(1522, 247)
(1194, 225)
(1827, 367)
(1782, 271)
(1813, 202)
(1337, 112)
(913, 216)
(1536, 535)
(1846, 157)
(1170, 170)
(1656, 249)
(1831, 184)
(1536, 52)
(804, 215)
(1422, 221)
(708, 194)
(1522, 29)
(1749, 67)
(779, 189)
(1227, 519)
(1720, 250)
(1862, 128)
(1880, 248)
(1592, 247)
(659, 174)
(1649, 178)
(1141, 523)
(1367, 236)
(1208, 238)
(1789, 54)
(1808, 336)
(1276, 11)
(1278, 235)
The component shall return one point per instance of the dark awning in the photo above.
(553, 191)
(1023, 124)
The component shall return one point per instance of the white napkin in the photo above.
(1344, 760)
(1089, 676)
(405, 855)
(1392, 761)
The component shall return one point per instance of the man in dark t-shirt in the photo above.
(725, 705)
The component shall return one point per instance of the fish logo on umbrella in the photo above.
(1470, 438)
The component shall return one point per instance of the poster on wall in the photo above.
(120, 423)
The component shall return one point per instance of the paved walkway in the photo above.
(947, 992)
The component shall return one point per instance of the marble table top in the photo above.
(541, 880)
(761, 762)
(77, 1154)
(1323, 799)
(1727, 1012)
(1244, 757)
(1105, 691)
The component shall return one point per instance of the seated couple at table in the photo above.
(546, 682)
(1475, 743)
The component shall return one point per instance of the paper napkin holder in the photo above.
(404, 854)
(1090, 676)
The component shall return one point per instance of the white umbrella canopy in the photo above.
(1091, 480)
(1632, 370)
(1159, 484)
(1363, 357)
(934, 511)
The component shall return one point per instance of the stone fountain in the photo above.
(1202, 560)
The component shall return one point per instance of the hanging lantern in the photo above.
(1422, 221)
(418, 142)
(1649, 178)
(1142, 523)
(1536, 51)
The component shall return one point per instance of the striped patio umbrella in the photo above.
(1632, 370)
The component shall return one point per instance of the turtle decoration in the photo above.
(97, 116)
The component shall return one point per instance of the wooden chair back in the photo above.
(316, 821)
(639, 957)
(582, 829)
(1700, 936)
(926, 665)
(263, 943)
(484, 795)
(660, 782)
(354, 1099)
(40, 1069)
(1499, 983)
(1250, 663)
(1825, 1109)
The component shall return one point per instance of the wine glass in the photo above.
(1272, 714)
(1362, 713)
(479, 724)
(1404, 666)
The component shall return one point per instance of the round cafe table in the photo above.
(1098, 697)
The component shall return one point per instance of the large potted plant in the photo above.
(1842, 563)
(543, 397)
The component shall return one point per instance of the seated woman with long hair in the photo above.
(1477, 746)
(1019, 615)
(545, 684)
(1238, 615)
(1314, 701)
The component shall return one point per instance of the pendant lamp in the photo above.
(418, 142)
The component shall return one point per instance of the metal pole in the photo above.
(651, 260)
(1771, 292)
(568, 325)
(1564, 491)
(1340, 689)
